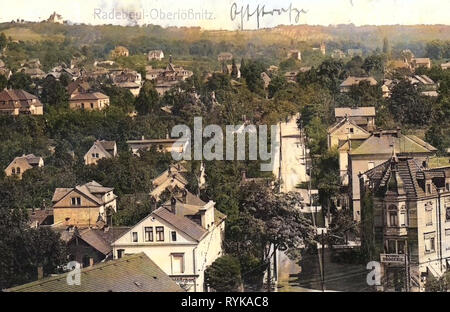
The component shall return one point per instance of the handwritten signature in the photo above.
(260, 11)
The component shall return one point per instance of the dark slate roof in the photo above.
(135, 273)
(182, 223)
(101, 239)
(406, 172)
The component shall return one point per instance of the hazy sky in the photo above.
(216, 14)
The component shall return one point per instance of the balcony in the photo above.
(396, 231)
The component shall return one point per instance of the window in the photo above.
(351, 130)
(393, 218)
(400, 247)
(402, 218)
(429, 242)
(447, 213)
(134, 237)
(177, 263)
(120, 253)
(174, 236)
(96, 155)
(92, 105)
(148, 234)
(391, 246)
(447, 239)
(429, 214)
(13, 170)
(86, 261)
(447, 186)
(18, 170)
(76, 201)
(160, 233)
(428, 188)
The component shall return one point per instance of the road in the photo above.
(292, 157)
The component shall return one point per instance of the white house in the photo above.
(183, 237)
(99, 150)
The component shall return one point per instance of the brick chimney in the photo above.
(40, 272)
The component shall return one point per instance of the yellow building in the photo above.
(83, 205)
(21, 164)
(15, 102)
(89, 101)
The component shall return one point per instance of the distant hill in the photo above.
(369, 36)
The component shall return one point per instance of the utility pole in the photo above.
(323, 261)
(407, 277)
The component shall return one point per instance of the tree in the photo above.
(408, 106)
(54, 93)
(234, 70)
(25, 249)
(148, 100)
(224, 274)
(3, 41)
(277, 83)
(3, 82)
(20, 81)
(268, 221)
(251, 71)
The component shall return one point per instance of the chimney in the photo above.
(40, 272)
(207, 215)
(184, 196)
(244, 175)
(173, 204)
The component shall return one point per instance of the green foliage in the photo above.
(54, 93)
(251, 71)
(408, 106)
(25, 249)
(224, 274)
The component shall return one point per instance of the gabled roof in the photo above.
(88, 190)
(340, 112)
(135, 273)
(342, 122)
(100, 239)
(351, 81)
(183, 224)
(388, 142)
(104, 147)
(89, 96)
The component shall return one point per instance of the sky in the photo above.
(226, 14)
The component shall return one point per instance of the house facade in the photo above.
(89, 101)
(172, 178)
(99, 150)
(409, 207)
(378, 148)
(83, 205)
(364, 117)
(21, 164)
(16, 102)
(155, 55)
(183, 237)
